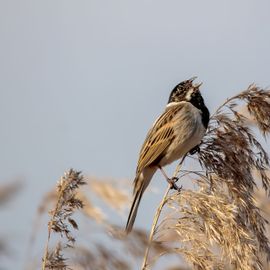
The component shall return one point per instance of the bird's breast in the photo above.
(188, 130)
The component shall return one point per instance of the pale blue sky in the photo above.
(82, 81)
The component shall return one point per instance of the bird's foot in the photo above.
(172, 181)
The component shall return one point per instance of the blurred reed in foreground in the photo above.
(7, 194)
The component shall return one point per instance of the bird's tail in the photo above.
(134, 208)
(141, 182)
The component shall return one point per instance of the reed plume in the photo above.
(61, 220)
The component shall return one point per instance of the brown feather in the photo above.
(158, 138)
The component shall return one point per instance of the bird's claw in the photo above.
(172, 182)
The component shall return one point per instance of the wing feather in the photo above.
(158, 138)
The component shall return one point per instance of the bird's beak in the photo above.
(193, 78)
(197, 85)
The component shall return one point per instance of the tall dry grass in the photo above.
(61, 220)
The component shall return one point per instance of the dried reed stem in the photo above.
(157, 216)
(45, 256)
(153, 228)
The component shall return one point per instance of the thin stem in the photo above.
(45, 256)
(153, 228)
(156, 218)
(225, 103)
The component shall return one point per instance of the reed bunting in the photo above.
(176, 132)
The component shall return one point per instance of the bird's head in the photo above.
(186, 91)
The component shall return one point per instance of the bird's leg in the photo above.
(172, 181)
(194, 150)
(182, 160)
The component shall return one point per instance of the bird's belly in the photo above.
(186, 139)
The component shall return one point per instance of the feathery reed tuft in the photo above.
(61, 219)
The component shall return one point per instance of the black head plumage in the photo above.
(180, 91)
(189, 92)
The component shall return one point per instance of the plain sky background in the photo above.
(81, 82)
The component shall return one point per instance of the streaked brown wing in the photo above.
(158, 138)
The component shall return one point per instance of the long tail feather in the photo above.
(141, 182)
(134, 208)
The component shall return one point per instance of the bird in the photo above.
(176, 132)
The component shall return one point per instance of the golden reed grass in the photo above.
(61, 220)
